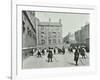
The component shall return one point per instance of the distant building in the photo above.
(82, 36)
(85, 33)
(49, 34)
(70, 38)
(78, 36)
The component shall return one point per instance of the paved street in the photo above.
(59, 60)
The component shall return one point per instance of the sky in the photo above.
(71, 22)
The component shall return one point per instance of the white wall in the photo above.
(5, 37)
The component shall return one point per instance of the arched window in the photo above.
(54, 34)
(42, 41)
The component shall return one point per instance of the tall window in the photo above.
(49, 34)
(54, 34)
(59, 34)
(42, 34)
(42, 41)
(54, 41)
(59, 41)
(49, 41)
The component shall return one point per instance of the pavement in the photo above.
(59, 60)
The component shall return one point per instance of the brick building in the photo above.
(49, 34)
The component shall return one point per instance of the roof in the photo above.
(57, 24)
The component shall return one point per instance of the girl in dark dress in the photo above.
(76, 57)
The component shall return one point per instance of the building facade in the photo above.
(85, 33)
(28, 29)
(49, 34)
(82, 35)
(78, 36)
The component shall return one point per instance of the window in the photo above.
(49, 41)
(54, 41)
(54, 34)
(41, 36)
(42, 41)
(42, 32)
(59, 41)
(49, 34)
